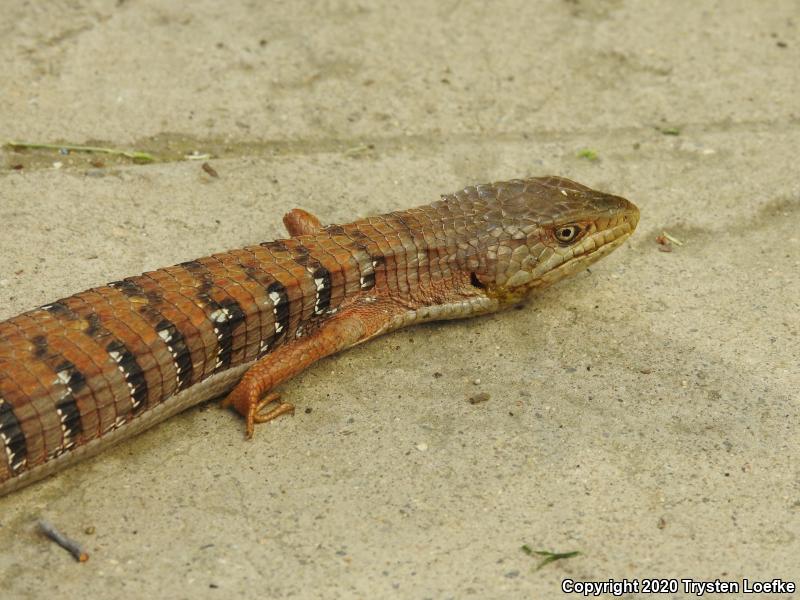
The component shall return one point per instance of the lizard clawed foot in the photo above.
(262, 416)
(349, 326)
(248, 402)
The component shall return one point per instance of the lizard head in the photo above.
(538, 231)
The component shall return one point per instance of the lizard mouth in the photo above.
(591, 249)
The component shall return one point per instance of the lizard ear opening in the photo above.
(475, 282)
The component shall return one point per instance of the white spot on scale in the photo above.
(278, 327)
(220, 315)
(165, 335)
(63, 377)
(116, 356)
(320, 283)
(9, 453)
(564, 192)
(275, 297)
(119, 422)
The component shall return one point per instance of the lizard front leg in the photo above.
(300, 222)
(363, 319)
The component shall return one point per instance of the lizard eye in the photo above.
(567, 233)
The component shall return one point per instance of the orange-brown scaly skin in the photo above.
(99, 366)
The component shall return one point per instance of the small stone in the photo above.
(422, 447)
(478, 398)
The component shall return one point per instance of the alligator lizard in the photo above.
(84, 372)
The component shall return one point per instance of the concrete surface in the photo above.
(645, 414)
